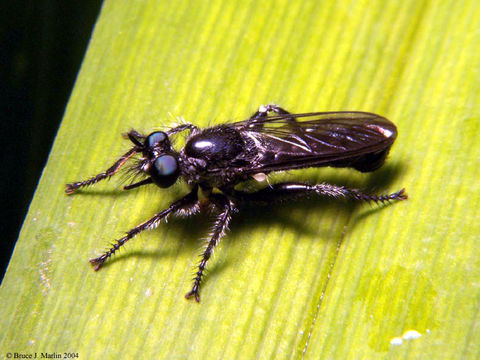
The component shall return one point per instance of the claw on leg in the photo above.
(193, 293)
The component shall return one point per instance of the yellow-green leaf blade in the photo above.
(321, 279)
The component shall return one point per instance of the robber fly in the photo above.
(223, 156)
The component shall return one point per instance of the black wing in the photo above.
(341, 139)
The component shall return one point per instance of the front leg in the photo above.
(112, 170)
(226, 208)
(192, 128)
(288, 190)
(188, 203)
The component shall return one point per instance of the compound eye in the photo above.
(166, 165)
(156, 138)
(165, 171)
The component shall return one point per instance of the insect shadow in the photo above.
(191, 229)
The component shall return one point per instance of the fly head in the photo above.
(159, 160)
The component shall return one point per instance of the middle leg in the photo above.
(227, 207)
(263, 111)
(262, 115)
(188, 203)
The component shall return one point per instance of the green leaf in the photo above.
(318, 279)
